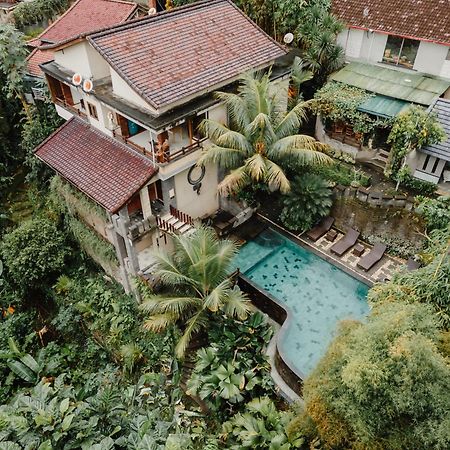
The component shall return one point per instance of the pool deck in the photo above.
(380, 272)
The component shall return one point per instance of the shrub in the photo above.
(427, 285)
(414, 184)
(33, 252)
(308, 201)
(435, 211)
(340, 173)
(28, 13)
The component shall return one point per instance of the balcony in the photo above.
(162, 153)
(71, 108)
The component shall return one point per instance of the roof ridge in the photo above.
(162, 14)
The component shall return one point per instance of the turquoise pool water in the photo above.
(318, 294)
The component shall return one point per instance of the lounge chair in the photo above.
(369, 260)
(322, 228)
(412, 264)
(346, 242)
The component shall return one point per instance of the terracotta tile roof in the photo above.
(99, 166)
(82, 17)
(175, 54)
(36, 57)
(420, 19)
(85, 16)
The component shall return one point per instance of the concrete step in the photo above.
(383, 153)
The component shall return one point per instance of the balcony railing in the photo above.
(61, 102)
(167, 157)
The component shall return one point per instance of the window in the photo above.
(400, 51)
(92, 110)
(448, 55)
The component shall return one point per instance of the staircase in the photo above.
(380, 159)
(176, 222)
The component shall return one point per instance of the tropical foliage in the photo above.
(12, 63)
(337, 102)
(429, 285)
(308, 202)
(317, 31)
(33, 252)
(413, 129)
(196, 275)
(261, 427)
(225, 378)
(37, 11)
(436, 211)
(262, 139)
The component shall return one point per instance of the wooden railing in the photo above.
(164, 225)
(129, 142)
(71, 108)
(169, 157)
(181, 216)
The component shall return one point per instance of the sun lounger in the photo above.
(346, 242)
(322, 228)
(412, 264)
(369, 260)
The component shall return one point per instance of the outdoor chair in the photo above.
(369, 260)
(322, 228)
(345, 243)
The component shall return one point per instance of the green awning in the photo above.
(382, 106)
(398, 84)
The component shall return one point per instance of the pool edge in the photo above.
(281, 314)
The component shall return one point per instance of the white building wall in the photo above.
(219, 114)
(84, 59)
(75, 58)
(351, 40)
(445, 70)
(430, 58)
(364, 45)
(121, 89)
(373, 45)
(187, 199)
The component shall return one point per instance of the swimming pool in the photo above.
(317, 293)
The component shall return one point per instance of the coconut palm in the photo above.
(263, 139)
(196, 274)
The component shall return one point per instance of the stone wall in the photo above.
(374, 215)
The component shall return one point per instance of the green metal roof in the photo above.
(382, 106)
(408, 86)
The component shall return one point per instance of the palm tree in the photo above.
(197, 275)
(263, 140)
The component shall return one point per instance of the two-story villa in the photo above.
(399, 50)
(133, 96)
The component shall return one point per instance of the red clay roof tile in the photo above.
(176, 54)
(85, 16)
(104, 169)
(420, 19)
(36, 57)
(82, 17)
